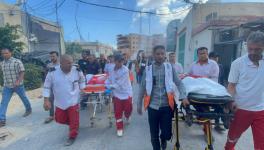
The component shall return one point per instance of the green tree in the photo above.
(73, 48)
(9, 36)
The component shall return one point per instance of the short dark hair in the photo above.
(8, 49)
(54, 52)
(172, 53)
(158, 47)
(202, 48)
(213, 55)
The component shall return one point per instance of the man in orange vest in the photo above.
(160, 88)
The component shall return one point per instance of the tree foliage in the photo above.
(73, 48)
(9, 36)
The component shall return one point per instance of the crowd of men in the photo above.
(158, 79)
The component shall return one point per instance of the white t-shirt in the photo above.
(66, 87)
(120, 82)
(249, 81)
(109, 67)
(209, 70)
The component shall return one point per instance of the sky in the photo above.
(103, 24)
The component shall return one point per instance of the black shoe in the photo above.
(155, 144)
(219, 129)
(27, 113)
(163, 144)
(2, 123)
(69, 142)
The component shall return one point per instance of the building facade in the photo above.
(132, 43)
(97, 48)
(205, 22)
(38, 35)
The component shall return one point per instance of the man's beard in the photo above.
(255, 57)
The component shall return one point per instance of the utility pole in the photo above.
(58, 24)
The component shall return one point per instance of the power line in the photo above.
(124, 9)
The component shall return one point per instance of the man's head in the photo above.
(143, 55)
(66, 62)
(214, 56)
(202, 53)
(102, 56)
(54, 56)
(172, 57)
(159, 54)
(125, 56)
(6, 53)
(110, 59)
(119, 60)
(85, 54)
(255, 46)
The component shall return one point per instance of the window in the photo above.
(181, 52)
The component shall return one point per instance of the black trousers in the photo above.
(160, 123)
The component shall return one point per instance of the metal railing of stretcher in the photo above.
(187, 114)
(98, 96)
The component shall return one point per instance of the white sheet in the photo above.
(204, 86)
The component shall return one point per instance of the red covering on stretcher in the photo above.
(96, 84)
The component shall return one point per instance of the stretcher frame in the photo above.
(188, 119)
(98, 99)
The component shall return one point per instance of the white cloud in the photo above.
(175, 9)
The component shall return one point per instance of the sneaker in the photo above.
(27, 113)
(2, 123)
(69, 142)
(119, 133)
(48, 120)
(163, 144)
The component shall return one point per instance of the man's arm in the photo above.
(81, 80)
(180, 85)
(232, 89)
(21, 70)
(47, 91)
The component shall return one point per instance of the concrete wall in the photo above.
(196, 24)
(225, 11)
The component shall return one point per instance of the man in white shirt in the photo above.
(66, 81)
(246, 85)
(204, 67)
(120, 84)
(177, 66)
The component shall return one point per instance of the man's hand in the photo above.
(47, 104)
(17, 83)
(185, 102)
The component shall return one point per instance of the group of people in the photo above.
(160, 85)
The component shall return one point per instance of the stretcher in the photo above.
(97, 95)
(202, 110)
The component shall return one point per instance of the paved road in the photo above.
(31, 134)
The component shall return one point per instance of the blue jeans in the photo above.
(6, 96)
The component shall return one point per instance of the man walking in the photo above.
(246, 85)
(159, 85)
(54, 64)
(13, 73)
(177, 66)
(66, 82)
(120, 83)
